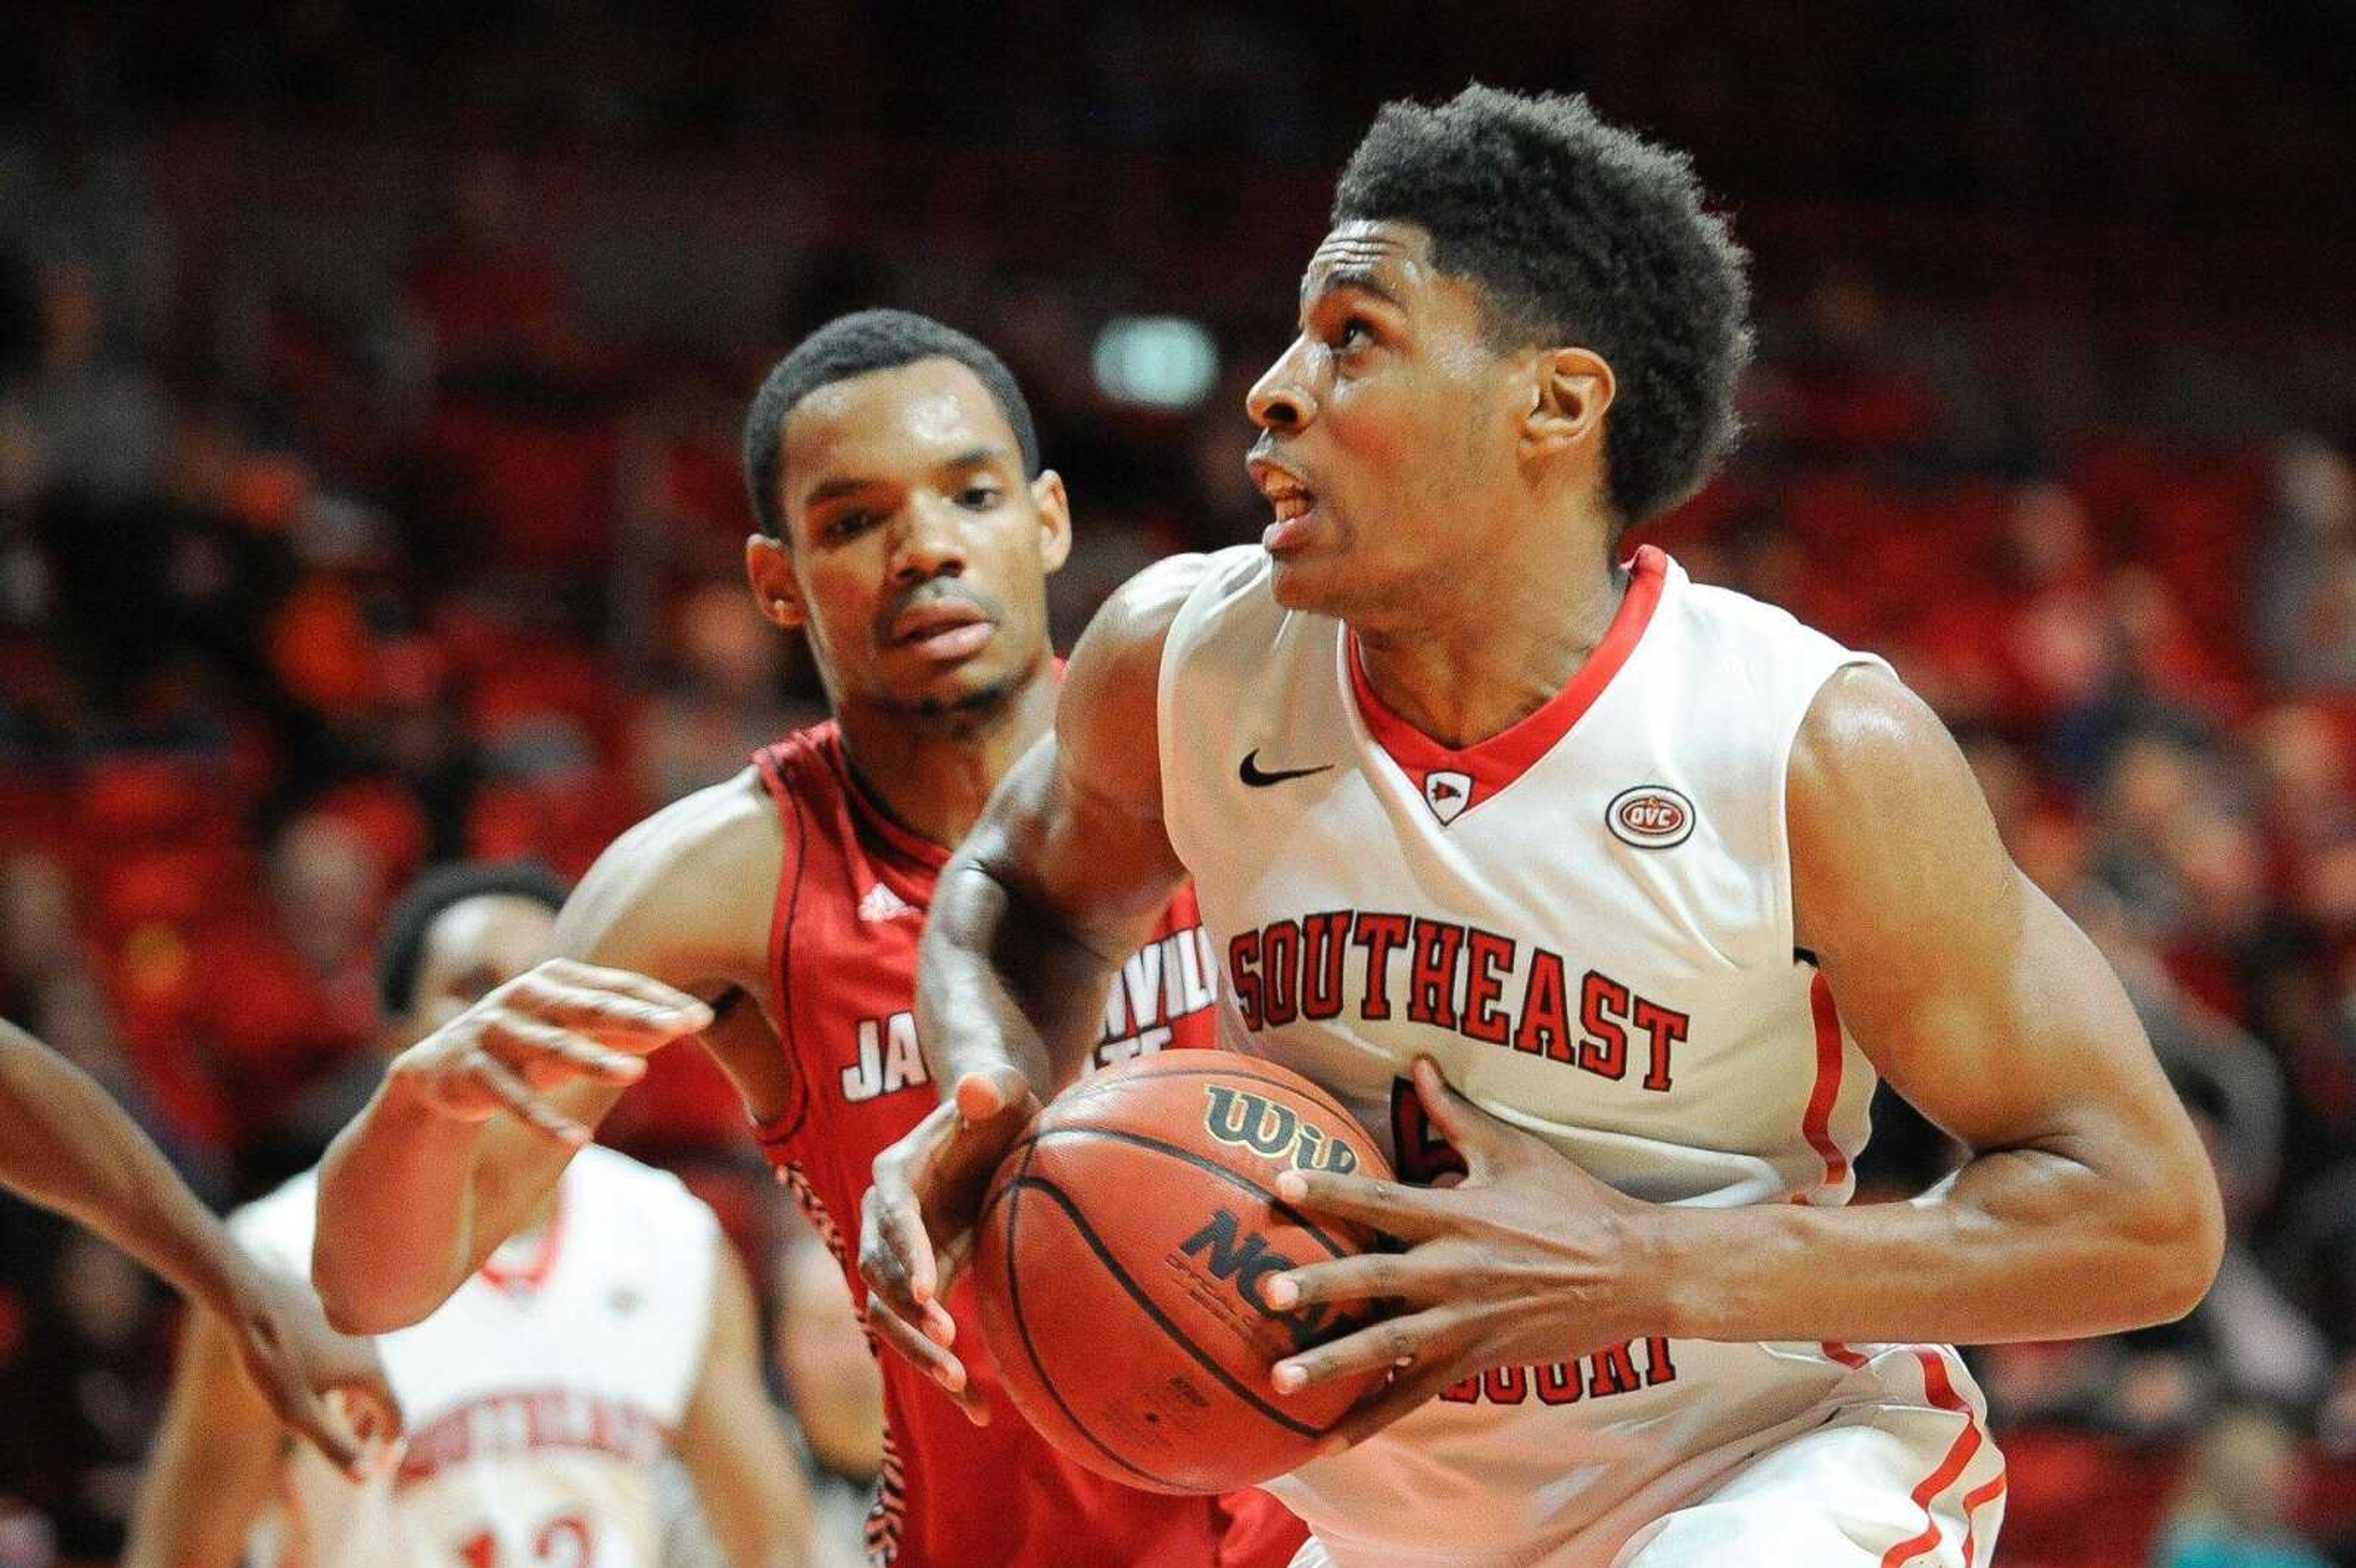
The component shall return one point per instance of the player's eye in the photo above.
(844, 524)
(1355, 333)
(980, 497)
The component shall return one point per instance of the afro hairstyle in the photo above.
(1579, 233)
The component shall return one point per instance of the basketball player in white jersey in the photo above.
(1605, 894)
(615, 1329)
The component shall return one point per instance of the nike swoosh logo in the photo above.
(1251, 775)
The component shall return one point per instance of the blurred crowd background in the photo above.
(370, 390)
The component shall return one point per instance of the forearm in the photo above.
(396, 1229)
(66, 1145)
(759, 1518)
(213, 1464)
(1000, 982)
(2020, 1244)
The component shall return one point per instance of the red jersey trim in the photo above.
(533, 1271)
(773, 1133)
(1940, 1391)
(1816, 1123)
(1974, 1500)
(1495, 763)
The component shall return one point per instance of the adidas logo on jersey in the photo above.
(881, 904)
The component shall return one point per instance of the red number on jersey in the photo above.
(563, 1542)
(1423, 1154)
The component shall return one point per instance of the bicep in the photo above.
(1972, 993)
(215, 1462)
(1075, 827)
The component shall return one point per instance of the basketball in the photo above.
(1124, 1246)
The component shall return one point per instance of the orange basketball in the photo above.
(1124, 1247)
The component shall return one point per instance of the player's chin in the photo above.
(1305, 581)
(975, 683)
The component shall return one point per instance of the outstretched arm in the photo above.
(1067, 869)
(67, 1146)
(733, 1441)
(473, 1124)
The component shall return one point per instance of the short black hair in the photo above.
(400, 950)
(852, 345)
(1581, 232)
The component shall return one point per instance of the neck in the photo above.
(934, 772)
(1505, 643)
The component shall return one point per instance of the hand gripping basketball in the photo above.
(1527, 1259)
(915, 1223)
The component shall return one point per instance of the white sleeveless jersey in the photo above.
(540, 1399)
(1587, 921)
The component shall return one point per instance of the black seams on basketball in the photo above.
(1121, 1258)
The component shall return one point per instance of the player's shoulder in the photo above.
(1144, 607)
(685, 894)
(1729, 613)
(278, 1226)
(717, 823)
(1864, 722)
(1122, 649)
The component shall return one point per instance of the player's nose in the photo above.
(1281, 399)
(928, 541)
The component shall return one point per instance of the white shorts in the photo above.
(1849, 1488)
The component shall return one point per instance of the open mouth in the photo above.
(1293, 501)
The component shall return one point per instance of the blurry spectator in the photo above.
(2307, 576)
(721, 702)
(101, 420)
(492, 296)
(2308, 810)
(2233, 1511)
(1840, 386)
(81, 1393)
(281, 1006)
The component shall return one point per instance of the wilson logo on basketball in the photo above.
(1650, 817)
(1241, 1119)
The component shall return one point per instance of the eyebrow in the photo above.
(1359, 276)
(828, 489)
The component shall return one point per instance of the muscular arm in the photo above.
(214, 1464)
(746, 1475)
(1067, 869)
(412, 1197)
(2087, 1205)
(66, 1145)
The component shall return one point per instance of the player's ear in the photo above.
(1055, 510)
(770, 568)
(1570, 391)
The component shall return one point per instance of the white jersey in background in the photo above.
(1587, 921)
(540, 1399)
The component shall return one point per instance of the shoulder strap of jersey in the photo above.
(793, 770)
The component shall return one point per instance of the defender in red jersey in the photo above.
(908, 529)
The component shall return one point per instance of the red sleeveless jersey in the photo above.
(851, 897)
